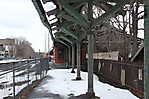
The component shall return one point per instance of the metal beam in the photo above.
(64, 38)
(110, 13)
(70, 10)
(62, 42)
(67, 24)
(52, 12)
(68, 32)
(63, 15)
(55, 23)
(146, 51)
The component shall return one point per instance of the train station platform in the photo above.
(61, 84)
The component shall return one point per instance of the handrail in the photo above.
(29, 61)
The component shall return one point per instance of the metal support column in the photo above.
(69, 55)
(73, 58)
(90, 51)
(90, 64)
(78, 61)
(146, 51)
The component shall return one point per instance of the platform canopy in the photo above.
(71, 16)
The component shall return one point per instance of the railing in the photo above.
(121, 74)
(16, 75)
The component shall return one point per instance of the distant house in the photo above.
(7, 48)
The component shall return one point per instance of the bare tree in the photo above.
(23, 48)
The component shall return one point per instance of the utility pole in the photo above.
(91, 39)
(146, 50)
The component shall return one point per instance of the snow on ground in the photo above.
(7, 91)
(7, 80)
(62, 83)
(8, 60)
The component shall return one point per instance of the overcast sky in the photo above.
(19, 18)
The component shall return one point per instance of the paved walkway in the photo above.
(60, 84)
(40, 93)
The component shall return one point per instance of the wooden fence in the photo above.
(120, 74)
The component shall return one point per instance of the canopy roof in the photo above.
(71, 22)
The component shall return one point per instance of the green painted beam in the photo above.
(68, 40)
(110, 13)
(146, 50)
(80, 34)
(67, 24)
(77, 6)
(70, 10)
(63, 15)
(68, 32)
(57, 34)
(76, 3)
(62, 42)
(65, 38)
